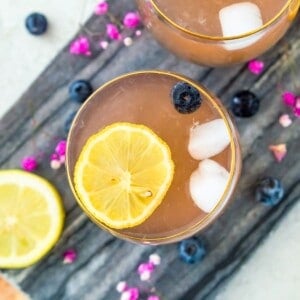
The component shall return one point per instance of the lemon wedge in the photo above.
(31, 218)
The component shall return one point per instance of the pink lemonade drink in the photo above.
(144, 118)
(218, 32)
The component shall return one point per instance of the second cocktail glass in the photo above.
(219, 32)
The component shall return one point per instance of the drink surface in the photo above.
(203, 17)
(145, 99)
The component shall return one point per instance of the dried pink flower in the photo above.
(285, 120)
(103, 44)
(60, 148)
(279, 151)
(155, 259)
(153, 297)
(130, 294)
(121, 286)
(127, 41)
(101, 8)
(138, 32)
(144, 267)
(289, 98)
(256, 66)
(29, 163)
(80, 46)
(113, 32)
(69, 256)
(296, 109)
(132, 20)
(55, 164)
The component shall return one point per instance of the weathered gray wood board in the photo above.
(36, 122)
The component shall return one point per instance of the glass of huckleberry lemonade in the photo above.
(153, 157)
(218, 32)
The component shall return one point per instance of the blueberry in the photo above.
(80, 90)
(269, 191)
(186, 98)
(191, 250)
(36, 23)
(244, 104)
(69, 121)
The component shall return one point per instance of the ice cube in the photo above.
(207, 184)
(208, 139)
(237, 19)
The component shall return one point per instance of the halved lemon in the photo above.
(122, 174)
(31, 218)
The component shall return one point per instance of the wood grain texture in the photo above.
(36, 122)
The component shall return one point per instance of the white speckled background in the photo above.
(271, 273)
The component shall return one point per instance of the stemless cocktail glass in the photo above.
(202, 140)
(218, 32)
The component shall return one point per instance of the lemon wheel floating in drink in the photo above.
(123, 174)
(31, 218)
(152, 157)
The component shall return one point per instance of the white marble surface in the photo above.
(24, 56)
(271, 273)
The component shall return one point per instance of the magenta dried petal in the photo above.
(130, 294)
(153, 297)
(69, 256)
(296, 109)
(112, 32)
(29, 163)
(289, 98)
(256, 66)
(132, 20)
(60, 148)
(149, 267)
(80, 46)
(101, 8)
(54, 156)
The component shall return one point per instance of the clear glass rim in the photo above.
(220, 38)
(235, 164)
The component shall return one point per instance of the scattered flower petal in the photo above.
(69, 256)
(101, 8)
(130, 294)
(80, 46)
(256, 66)
(60, 148)
(289, 98)
(285, 120)
(29, 163)
(145, 276)
(127, 41)
(155, 259)
(121, 286)
(54, 156)
(145, 267)
(296, 109)
(138, 32)
(55, 164)
(62, 159)
(103, 44)
(113, 32)
(153, 297)
(279, 151)
(132, 20)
